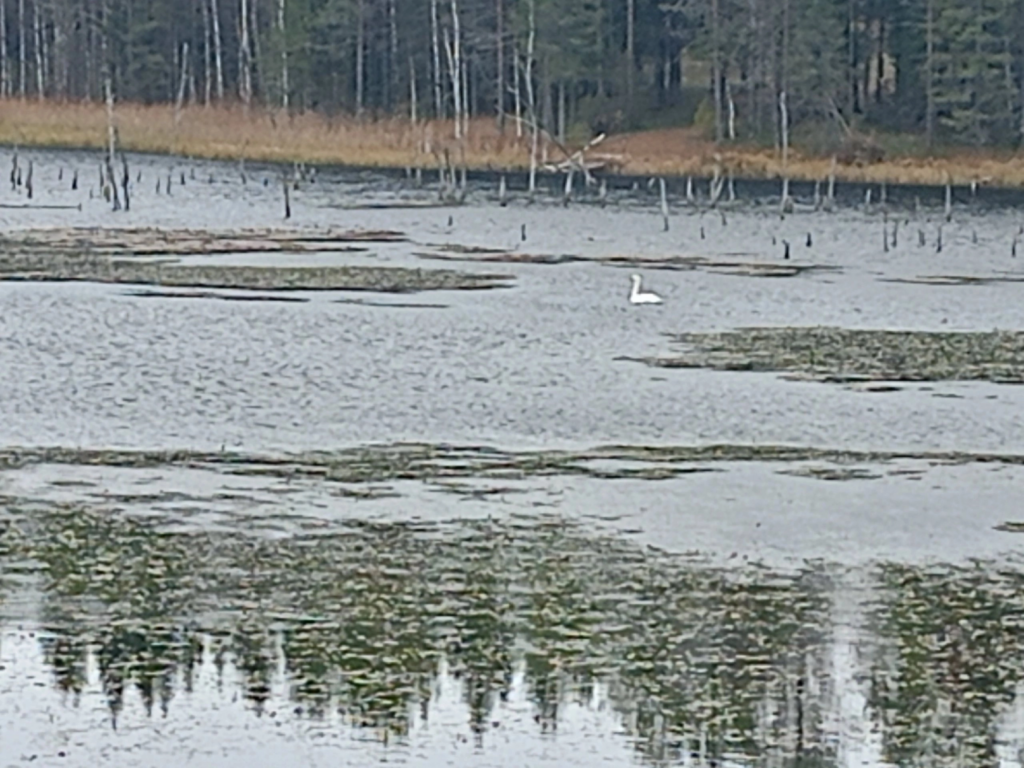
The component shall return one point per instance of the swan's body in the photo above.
(636, 296)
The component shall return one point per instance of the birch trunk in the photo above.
(929, 76)
(182, 84)
(561, 111)
(851, 33)
(4, 74)
(244, 68)
(360, 60)
(466, 97)
(716, 72)
(22, 64)
(436, 51)
(457, 70)
(531, 100)
(111, 143)
(38, 34)
(207, 55)
(283, 33)
(499, 41)
(787, 204)
(413, 103)
(517, 93)
(392, 80)
(218, 56)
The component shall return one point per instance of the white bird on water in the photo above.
(636, 296)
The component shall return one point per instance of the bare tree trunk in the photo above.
(436, 50)
(467, 102)
(360, 59)
(785, 45)
(561, 110)
(517, 93)
(630, 47)
(413, 103)
(499, 42)
(880, 63)
(218, 56)
(38, 34)
(457, 70)
(207, 55)
(4, 73)
(256, 63)
(392, 81)
(22, 64)
(929, 77)
(732, 111)
(531, 99)
(787, 203)
(283, 32)
(182, 84)
(716, 71)
(244, 64)
(852, 32)
(111, 143)
(103, 70)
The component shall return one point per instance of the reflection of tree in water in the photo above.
(560, 617)
(724, 665)
(361, 616)
(478, 635)
(949, 659)
(125, 580)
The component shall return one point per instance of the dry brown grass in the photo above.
(229, 132)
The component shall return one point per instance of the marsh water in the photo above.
(376, 527)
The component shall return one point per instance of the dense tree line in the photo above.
(948, 70)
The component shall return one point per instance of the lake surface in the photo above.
(728, 612)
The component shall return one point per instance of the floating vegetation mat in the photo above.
(146, 241)
(843, 355)
(41, 266)
(956, 279)
(729, 265)
(415, 461)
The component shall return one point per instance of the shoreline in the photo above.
(231, 133)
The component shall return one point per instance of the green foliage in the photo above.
(851, 62)
(975, 92)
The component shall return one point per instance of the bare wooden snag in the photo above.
(111, 148)
(664, 203)
(125, 179)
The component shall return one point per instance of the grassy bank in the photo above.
(230, 132)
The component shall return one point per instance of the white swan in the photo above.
(638, 297)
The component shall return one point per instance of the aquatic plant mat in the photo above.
(421, 461)
(843, 355)
(727, 264)
(112, 256)
(146, 241)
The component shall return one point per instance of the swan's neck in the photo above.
(635, 290)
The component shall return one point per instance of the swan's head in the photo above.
(635, 279)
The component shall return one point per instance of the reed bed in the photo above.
(231, 132)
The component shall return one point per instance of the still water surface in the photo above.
(171, 616)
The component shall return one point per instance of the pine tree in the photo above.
(976, 95)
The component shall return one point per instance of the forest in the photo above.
(936, 71)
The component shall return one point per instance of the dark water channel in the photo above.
(288, 590)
